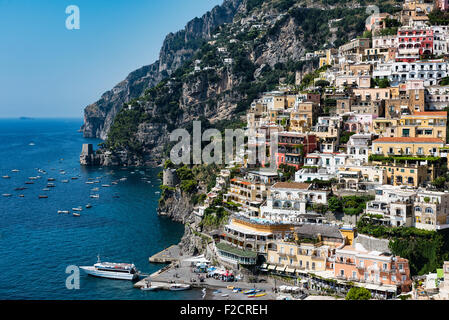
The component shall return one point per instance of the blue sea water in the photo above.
(37, 244)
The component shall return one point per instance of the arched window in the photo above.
(418, 209)
(429, 210)
(287, 204)
(277, 204)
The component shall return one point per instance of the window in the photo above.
(354, 275)
(342, 272)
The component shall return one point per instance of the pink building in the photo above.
(372, 267)
(443, 5)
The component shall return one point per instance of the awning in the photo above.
(271, 267)
(264, 266)
(280, 268)
(291, 270)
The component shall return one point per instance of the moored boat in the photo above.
(77, 209)
(63, 211)
(42, 197)
(179, 287)
(76, 214)
(112, 270)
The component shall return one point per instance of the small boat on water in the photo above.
(89, 182)
(65, 181)
(179, 287)
(6, 194)
(76, 214)
(88, 206)
(95, 189)
(63, 211)
(42, 197)
(51, 179)
(29, 182)
(74, 178)
(46, 189)
(77, 209)
(51, 185)
(149, 287)
(112, 270)
(105, 185)
(21, 196)
(20, 189)
(95, 196)
(6, 177)
(114, 182)
(31, 144)
(15, 170)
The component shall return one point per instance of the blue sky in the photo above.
(49, 71)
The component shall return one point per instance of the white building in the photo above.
(287, 201)
(431, 71)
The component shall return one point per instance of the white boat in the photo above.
(63, 211)
(111, 270)
(76, 214)
(6, 194)
(15, 170)
(105, 185)
(95, 196)
(31, 144)
(6, 177)
(89, 182)
(149, 287)
(95, 189)
(77, 209)
(179, 287)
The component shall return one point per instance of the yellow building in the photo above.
(411, 175)
(303, 117)
(385, 127)
(423, 125)
(407, 146)
(290, 257)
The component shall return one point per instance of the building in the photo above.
(288, 201)
(424, 125)
(293, 147)
(431, 210)
(410, 146)
(373, 267)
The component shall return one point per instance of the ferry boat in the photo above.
(111, 270)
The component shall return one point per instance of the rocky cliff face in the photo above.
(176, 49)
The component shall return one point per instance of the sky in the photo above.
(47, 70)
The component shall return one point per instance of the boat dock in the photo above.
(168, 255)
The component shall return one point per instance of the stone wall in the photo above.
(372, 244)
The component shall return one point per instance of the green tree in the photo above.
(358, 293)
(334, 204)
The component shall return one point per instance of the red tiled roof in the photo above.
(408, 140)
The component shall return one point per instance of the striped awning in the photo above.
(291, 270)
(271, 267)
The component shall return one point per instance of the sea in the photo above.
(40, 249)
